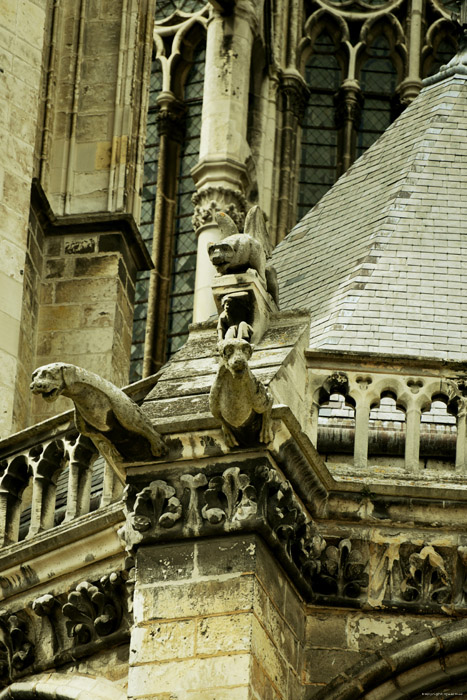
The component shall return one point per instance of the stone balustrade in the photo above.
(36, 465)
(413, 419)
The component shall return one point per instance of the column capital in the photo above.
(171, 116)
(295, 93)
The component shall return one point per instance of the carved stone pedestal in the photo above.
(260, 301)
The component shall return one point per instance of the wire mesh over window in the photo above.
(319, 134)
(164, 8)
(151, 154)
(184, 250)
(443, 54)
(378, 83)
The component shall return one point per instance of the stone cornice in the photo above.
(121, 223)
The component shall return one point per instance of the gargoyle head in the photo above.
(235, 353)
(48, 381)
(221, 253)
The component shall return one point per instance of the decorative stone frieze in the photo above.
(342, 572)
(211, 200)
(426, 580)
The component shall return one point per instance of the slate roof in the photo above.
(381, 260)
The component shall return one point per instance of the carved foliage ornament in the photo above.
(211, 200)
(253, 499)
(95, 610)
(16, 649)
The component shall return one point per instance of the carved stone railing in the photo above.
(427, 417)
(31, 464)
(34, 462)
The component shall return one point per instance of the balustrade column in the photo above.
(461, 442)
(362, 416)
(412, 438)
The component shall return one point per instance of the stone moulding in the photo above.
(253, 497)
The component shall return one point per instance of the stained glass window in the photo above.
(319, 135)
(184, 250)
(164, 8)
(378, 83)
(147, 224)
(443, 54)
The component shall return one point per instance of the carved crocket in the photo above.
(238, 399)
(116, 425)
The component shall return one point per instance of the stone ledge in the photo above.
(121, 223)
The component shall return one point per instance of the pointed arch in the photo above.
(440, 46)
(435, 659)
(164, 297)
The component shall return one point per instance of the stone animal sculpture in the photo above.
(239, 252)
(238, 399)
(235, 319)
(104, 413)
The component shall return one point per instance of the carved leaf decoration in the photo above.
(172, 514)
(79, 612)
(427, 579)
(22, 649)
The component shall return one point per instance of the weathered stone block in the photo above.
(193, 674)
(224, 634)
(86, 290)
(269, 656)
(211, 596)
(165, 563)
(322, 665)
(100, 266)
(326, 630)
(163, 641)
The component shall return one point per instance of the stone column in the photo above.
(170, 124)
(348, 112)
(294, 96)
(412, 84)
(221, 175)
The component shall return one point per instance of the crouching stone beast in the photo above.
(104, 413)
(238, 399)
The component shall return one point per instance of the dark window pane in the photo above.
(378, 82)
(184, 265)
(319, 136)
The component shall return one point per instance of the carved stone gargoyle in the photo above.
(115, 424)
(239, 252)
(238, 399)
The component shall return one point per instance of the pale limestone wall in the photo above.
(215, 619)
(336, 640)
(21, 44)
(98, 111)
(86, 309)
